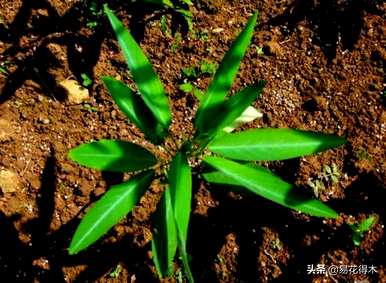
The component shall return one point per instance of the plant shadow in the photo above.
(43, 24)
(332, 21)
(45, 256)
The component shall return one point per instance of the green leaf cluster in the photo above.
(213, 142)
(359, 230)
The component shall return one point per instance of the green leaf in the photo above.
(164, 243)
(180, 180)
(208, 67)
(198, 94)
(264, 183)
(135, 109)
(360, 229)
(225, 74)
(144, 76)
(112, 155)
(186, 87)
(249, 115)
(109, 210)
(227, 112)
(272, 144)
(184, 256)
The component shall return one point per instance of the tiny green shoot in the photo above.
(207, 67)
(117, 270)
(259, 51)
(186, 87)
(86, 80)
(359, 230)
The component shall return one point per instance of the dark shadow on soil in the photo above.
(243, 214)
(24, 262)
(40, 20)
(366, 195)
(332, 21)
(246, 214)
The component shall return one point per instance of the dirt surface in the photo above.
(324, 65)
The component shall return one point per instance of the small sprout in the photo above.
(186, 87)
(208, 67)
(201, 35)
(317, 187)
(95, 12)
(4, 68)
(164, 26)
(86, 81)
(177, 42)
(331, 173)
(362, 154)
(180, 276)
(276, 244)
(89, 108)
(92, 24)
(117, 270)
(259, 51)
(190, 72)
(359, 230)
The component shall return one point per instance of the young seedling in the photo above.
(331, 173)
(150, 112)
(86, 81)
(181, 7)
(208, 67)
(359, 230)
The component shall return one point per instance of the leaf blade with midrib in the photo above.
(147, 81)
(272, 144)
(269, 186)
(109, 210)
(112, 155)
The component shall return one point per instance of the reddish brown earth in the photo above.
(324, 64)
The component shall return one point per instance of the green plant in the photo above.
(89, 108)
(208, 67)
(331, 173)
(117, 270)
(259, 50)
(86, 80)
(190, 72)
(176, 42)
(181, 7)
(95, 12)
(4, 67)
(149, 111)
(358, 230)
(193, 72)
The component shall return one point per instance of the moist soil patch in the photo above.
(324, 65)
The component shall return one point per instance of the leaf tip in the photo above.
(72, 250)
(106, 8)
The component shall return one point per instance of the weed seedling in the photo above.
(4, 68)
(359, 230)
(331, 173)
(190, 72)
(259, 51)
(117, 270)
(179, 7)
(228, 157)
(208, 67)
(86, 81)
(186, 87)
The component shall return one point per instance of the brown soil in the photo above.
(324, 65)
